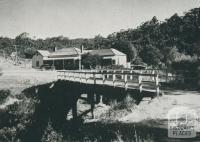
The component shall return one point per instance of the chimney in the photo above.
(55, 49)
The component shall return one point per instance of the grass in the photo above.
(119, 109)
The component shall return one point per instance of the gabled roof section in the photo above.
(64, 52)
(102, 52)
(107, 52)
(44, 53)
(117, 52)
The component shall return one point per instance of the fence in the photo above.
(121, 78)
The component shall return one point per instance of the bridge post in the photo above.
(92, 101)
(125, 82)
(92, 105)
(71, 74)
(100, 100)
(82, 77)
(113, 78)
(103, 78)
(74, 76)
(85, 78)
(79, 75)
(63, 75)
(140, 83)
(166, 75)
(68, 75)
(131, 76)
(122, 74)
(74, 109)
(94, 76)
(157, 85)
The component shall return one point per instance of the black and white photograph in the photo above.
(99, 70)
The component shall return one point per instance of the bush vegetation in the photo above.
(153, 42)
(3, 95)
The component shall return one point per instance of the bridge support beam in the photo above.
(74, 110)
(92, 103)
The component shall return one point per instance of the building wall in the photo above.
(119, 59)
(37, 58)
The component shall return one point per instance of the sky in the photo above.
(83, 18)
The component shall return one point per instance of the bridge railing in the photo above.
(121, 78)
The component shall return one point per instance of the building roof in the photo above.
(107, 52)
(64, 52)
(44, 53)
(117, 52)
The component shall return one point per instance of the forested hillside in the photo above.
(153, 42)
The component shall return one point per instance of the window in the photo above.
(113, 62)
(37, 63)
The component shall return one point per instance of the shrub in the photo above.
(127, 103)
(50, 135)
(188, 69)
(3, 95)
(91, 61)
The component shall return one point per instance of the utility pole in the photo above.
(80, 54)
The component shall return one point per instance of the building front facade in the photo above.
(66, 58)
(111, 57)
(70, 58)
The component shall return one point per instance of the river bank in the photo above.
(117, 121)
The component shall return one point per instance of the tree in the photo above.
(100, 42)
(29, 52)
(22, 42)
(125, 47)
(90, 61)
(170, 55)
(151, 56)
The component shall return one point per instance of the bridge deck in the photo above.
(127, 80)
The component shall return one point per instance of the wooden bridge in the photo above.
(101, 83)
(127, 79)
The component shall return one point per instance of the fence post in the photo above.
(131, 76)
(140, 83)
(157, 85)
(122, 74)
(74, 74)
(85, 77)
(166, 75)
(94, 76)
(113, 77)
(68, 75)
(125, 81)
(103, 78)
(58, 75)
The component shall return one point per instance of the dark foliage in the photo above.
(91, 61)
(152, 38)
(3, 95)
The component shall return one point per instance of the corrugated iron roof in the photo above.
(102, 52)
(117, 52)
(71, 52)
(64, 52)
(44, 53)
(107, 52)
